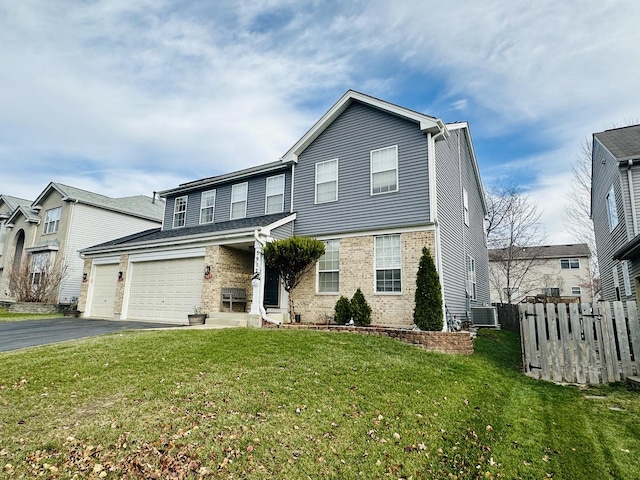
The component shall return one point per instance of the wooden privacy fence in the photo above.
(586, 344)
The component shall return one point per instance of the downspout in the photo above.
(293, 179)
(632, 202)
(263, 312)
(433, 210)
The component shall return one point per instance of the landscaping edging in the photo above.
(34, 307)
(458, 343)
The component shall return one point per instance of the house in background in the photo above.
(546, 272)
(61, 221)
(375, 181)
(615, 200)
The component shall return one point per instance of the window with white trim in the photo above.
(274, 201)
(384, 170)
(569, 263)
(52, 220)
(551, 292)
(329, 268)
(576, 291)
(625, 278)
(612, 209)
(388, 263)
(472, 288)
(39, 265)
(465, 206)
(327, 181)
(239, 200)
(180, 212)
(207, 206)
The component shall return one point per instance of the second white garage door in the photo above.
(166, 290)
(104, 291)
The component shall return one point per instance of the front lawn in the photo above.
(243, 403)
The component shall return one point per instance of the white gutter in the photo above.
(632, 199)
(263, 312)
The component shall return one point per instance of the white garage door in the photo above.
(165, 290)
(104, 291)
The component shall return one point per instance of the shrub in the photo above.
(360, 309)
(427, 314)
(342, 310)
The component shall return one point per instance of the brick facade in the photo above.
(84, 288)
(122, 267)
(230, 267)
(357, 271)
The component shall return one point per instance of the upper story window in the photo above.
(465, 206)
(239, 200)
(52, 220)
(566, 263)
(576, 290)
(207, 206)
(472, 289)
(274, 201)
(384, 170)
(612, 209)
(327, 181)
(180, 212)
(388, 257)
(329, 268)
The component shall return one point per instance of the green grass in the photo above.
(296, 404)
(7, 316)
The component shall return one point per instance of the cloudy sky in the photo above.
(126, 97)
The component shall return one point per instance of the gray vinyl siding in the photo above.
(351, 138)
(256, 192)
(604, 175)
(283, 232)
(455, 171)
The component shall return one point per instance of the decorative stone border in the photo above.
(459, 343)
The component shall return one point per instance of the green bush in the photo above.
(427, 314)
(342, 310)
(360, 309)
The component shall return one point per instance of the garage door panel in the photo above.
(104, 291)
(165, 290)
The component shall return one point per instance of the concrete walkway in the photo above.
(30, 333)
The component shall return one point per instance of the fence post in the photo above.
(568, 345)
(632, 311)
(623, 339)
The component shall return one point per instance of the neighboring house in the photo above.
(376, 182)
(61, 221)
(558, 272)
(615, 199)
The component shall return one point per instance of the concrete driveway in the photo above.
(30, 333)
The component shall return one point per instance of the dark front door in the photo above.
(271, 288)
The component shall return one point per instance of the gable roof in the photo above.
(427, 123)
(623, 143)
(136, 206)
(157, 236)
(30, 215)
(542, 251)
(14, 202)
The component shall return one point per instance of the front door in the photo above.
(271, 288)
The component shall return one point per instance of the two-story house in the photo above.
(375, 181)
(61, 221)
(615, 200)
(545, 272)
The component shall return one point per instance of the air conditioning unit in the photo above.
(485, 317)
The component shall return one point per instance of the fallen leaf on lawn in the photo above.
(489, 428)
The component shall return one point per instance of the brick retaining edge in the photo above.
(458, 343)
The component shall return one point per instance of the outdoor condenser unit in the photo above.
(485, 317)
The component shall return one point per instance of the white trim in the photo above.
(315, 180)
(465, 206)
(106, 260)
(246, 200)
(175, 203)
(318, 271)
(625, 277)
(213, 216)
(371, 172)
(266, 193)
(375, 266)
(378, 232)
(431, 160)
(167, 255)
(293, 176)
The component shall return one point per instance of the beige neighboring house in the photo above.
(547, 271)
(61, 221)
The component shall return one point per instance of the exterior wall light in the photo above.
(84, 277)
(120, 276)
(207, 272)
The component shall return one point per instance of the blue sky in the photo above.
(126, 97)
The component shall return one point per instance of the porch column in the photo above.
(257, 281)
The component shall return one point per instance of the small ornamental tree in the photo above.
(427, 314)
(360, 309)
(292, 258)
(342, 310)
(37, 279)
